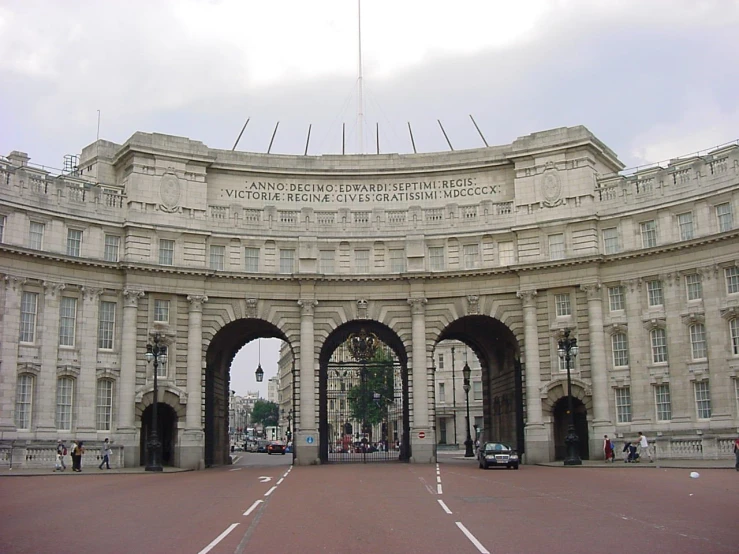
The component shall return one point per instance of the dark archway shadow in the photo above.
(561, 423)
(400, 429)
(498, 351)
(166, 429)
(221, 351)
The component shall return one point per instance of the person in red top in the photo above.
(608, 449)
(736, 453)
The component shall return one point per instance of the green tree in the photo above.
(265, 412)
(369, 399)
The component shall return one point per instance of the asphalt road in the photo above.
(262, 503)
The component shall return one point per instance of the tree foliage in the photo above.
(265, 412)
(369, 400)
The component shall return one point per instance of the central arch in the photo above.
(221, 351)
(374, 414)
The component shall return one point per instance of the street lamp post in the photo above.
(466, 371)
(454, 400)
(158, 355)
(568, 350)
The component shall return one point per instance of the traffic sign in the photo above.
(421, 435)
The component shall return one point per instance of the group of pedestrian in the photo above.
(633, 450)
(76, 451)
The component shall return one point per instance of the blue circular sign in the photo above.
(309, 439)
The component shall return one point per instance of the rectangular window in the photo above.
(476, 390)
(442, 393)
(441, 361)
(506, 254)
(655, 295)
(734, 333)
(693, 286)
(698, 341)
(436, 258)
(112, 247)
(702, 400)
(166, 252)
(2, 227)
(662, 402)
(217, 257)
(74, 242)
(623, 405)
(397, 260)
(106, 325)
(658, 338)
(648, 234)
(104, 405)
(29, 305)
(36, 236)
(67, 320)
(611, 243)
(361, 261)
(732, 280)
(287, 260)
(442, 430)
(326, 261)
(556, 246)
(471, 253)
(251, 260)
(64, 395)
(161, 311)
(562, 303)
(24, 401)
(725, 217)
(685, 224)
(620, 347)
(162, 362)
(616, 299)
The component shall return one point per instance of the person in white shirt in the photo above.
(644, 447)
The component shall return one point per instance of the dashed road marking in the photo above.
(253, 507)
(218, 539)
(270, 491)
(472, 538)
(438, 489)
(236, 469)
(444, 506)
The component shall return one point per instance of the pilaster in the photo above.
(10, 333)
(48, 334)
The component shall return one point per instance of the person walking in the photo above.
(105, 453)
(61, 451)
(77, 452)
(608, 449)
(644, 447)
(736, 453)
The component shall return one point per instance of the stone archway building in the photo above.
(212, 247)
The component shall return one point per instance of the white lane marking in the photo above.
(280, 480)
(253, 507)
(438, 478)
(438, 488)
(472, 538)
(264, 479)
(218, 539)
(236, 469)
(444, 507)
(270, 491)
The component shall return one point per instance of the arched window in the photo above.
(104, 405)
(698, 341)
(24, 401)
(64, 403)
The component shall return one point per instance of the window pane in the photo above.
(361, 261)
(685, 223)
(471, 256)
(64, 392)
(166, 252)
(702, 400)
(620, 350)
(36, 236)
(698, 341)
(23, 401)
(217, 257)
(251, 259)
(693, 286)
(326, 261)
(29, 303)
(662, 401)
(436, 258)
(623, 405)
(397, 260)
(648, 234)
(161, 311)
(725, 217)
(616, 298)
(104, 405)
(476, 390)
(74, 242)
(654, 293)
(611, 243)
(67, 320)
(106, 325)
(659, 345)
(112, 244)
(734, 332)
(732, 280)
(556, 247)
(2, 227)
(287, 260)
(506, 253)
(442, 393)
(562, 303)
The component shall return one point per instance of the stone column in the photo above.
(719, 345)
(191, 453)
(306, 428)
(87, 382)
(47, 333)
(10, 332)
(536, 435)
(422, 449)
(127, 385)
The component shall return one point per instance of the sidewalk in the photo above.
(723, 463)
(5, 471)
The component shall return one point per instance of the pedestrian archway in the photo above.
(166, 431)
(561, 417)
(363, 395)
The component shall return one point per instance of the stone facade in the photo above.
(502, 248)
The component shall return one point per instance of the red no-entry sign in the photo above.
(421, 435)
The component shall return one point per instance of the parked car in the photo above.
(262, 445)
(497, 454)
(276, 447)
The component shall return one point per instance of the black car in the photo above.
(497, 454)
(276, 447)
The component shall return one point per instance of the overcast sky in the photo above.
(652, 79)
